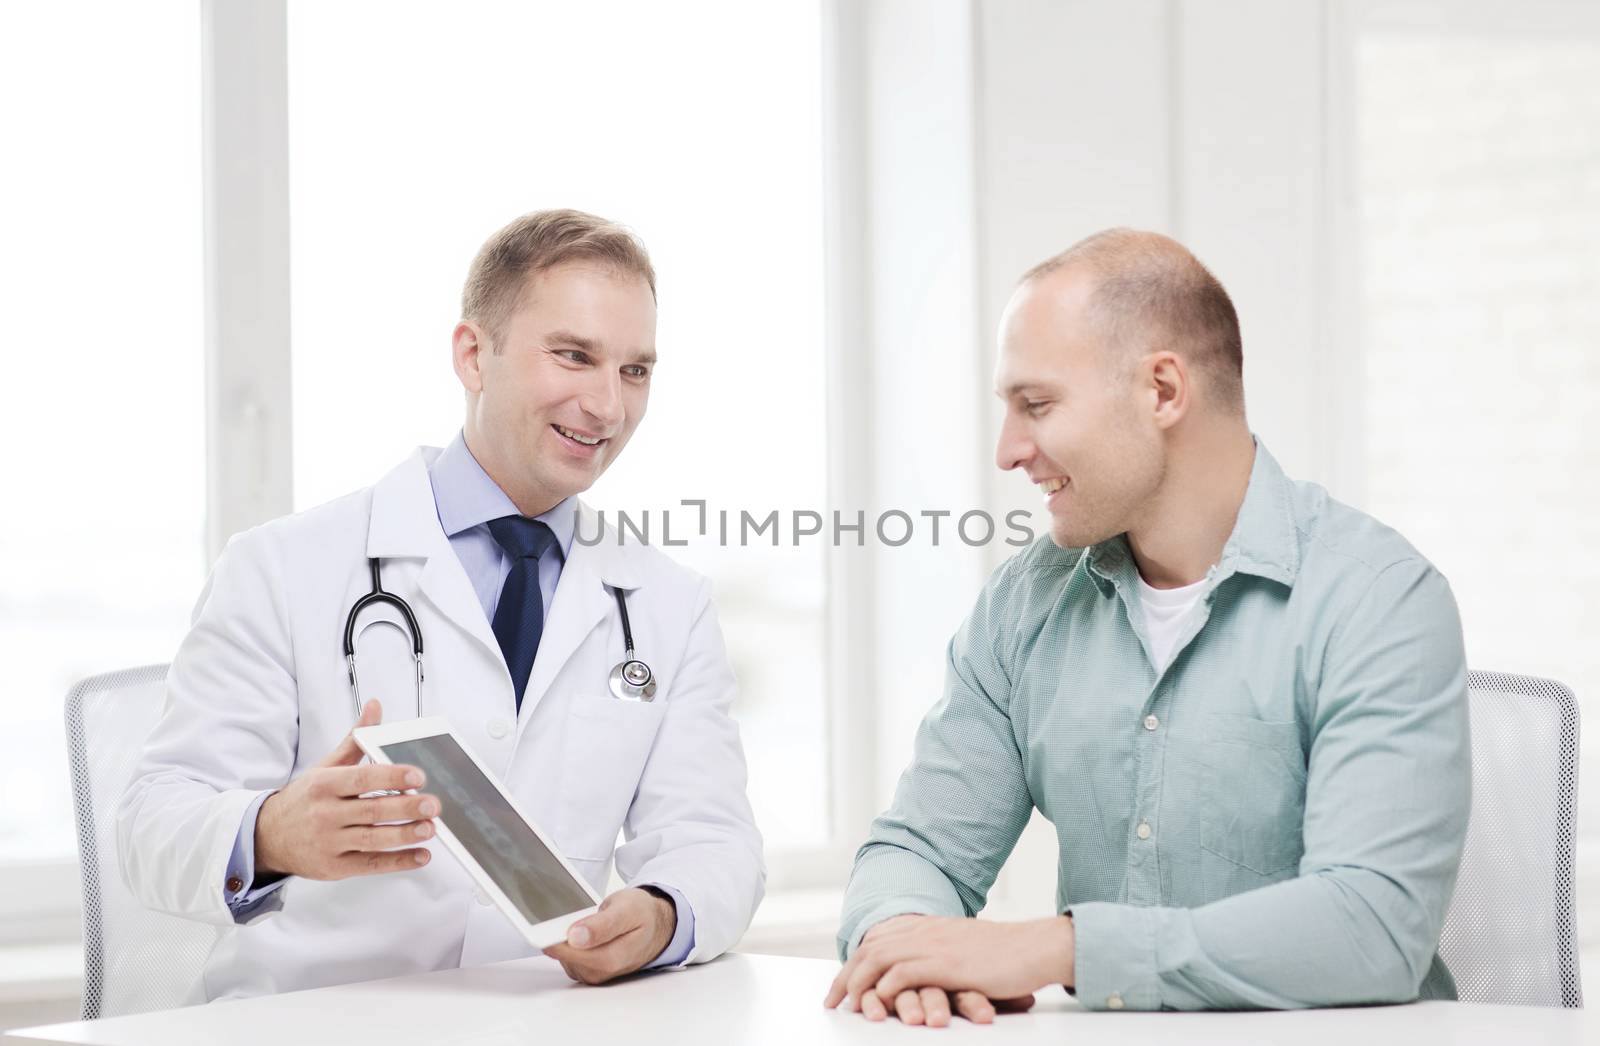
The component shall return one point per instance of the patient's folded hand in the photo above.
(917, 967)
(934, 1006)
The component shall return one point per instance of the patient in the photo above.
(1242, 704)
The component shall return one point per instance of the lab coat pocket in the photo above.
(607, 744)
(1254, 784)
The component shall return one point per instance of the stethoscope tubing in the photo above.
(630, 680)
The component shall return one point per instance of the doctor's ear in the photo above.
(467, 344)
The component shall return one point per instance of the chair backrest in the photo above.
(134, 959)
(1510, 935)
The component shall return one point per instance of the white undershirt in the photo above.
(1165, 611)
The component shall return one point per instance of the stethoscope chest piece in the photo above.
(632, 680)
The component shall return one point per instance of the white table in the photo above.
(755, 999)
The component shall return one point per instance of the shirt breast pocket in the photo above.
(606, 746)
(1254, 786)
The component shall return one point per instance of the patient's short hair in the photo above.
(539, 241)
(1150, 293)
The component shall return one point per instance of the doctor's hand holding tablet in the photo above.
(328, 823)
(509, 858)
(346, 817)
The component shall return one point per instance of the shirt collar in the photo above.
(465, 497)
(1265, 541)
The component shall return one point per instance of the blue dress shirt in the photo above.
(466, 499)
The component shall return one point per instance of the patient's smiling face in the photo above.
(1075, 420)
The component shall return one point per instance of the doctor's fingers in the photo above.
(349, 865)
(348, 781)
(369, 838)
(610, 922)
(388, 808)
(598, 965)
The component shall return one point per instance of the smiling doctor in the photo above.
(245, 810)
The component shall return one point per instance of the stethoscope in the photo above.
(630, 680)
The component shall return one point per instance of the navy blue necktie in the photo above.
(519, 616)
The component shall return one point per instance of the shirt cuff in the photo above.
(244, 898)
(1114, 956)
(682, 943)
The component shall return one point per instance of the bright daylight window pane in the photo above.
(101, 409)
(1480, 182)
(698, 124)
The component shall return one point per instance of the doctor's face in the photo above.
(553, 400)
(1075, 420)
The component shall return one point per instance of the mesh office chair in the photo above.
(134, 959)
(1510, 935)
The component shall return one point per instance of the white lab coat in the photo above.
(258, 693)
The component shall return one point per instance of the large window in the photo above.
(698, 125)
(101, 397)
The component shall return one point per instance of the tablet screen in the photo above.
(494, 833)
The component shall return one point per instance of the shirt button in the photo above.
(498, 728)
(1144, 829)
(235, 884)
(1114, 1002)
(1151, 722)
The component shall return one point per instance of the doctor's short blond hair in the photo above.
(539, 241)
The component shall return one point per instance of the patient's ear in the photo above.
(1167, 377)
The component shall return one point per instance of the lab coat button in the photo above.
(481, 897)
(499, 728)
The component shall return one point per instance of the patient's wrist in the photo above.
(1055, 943)
(1066, 961)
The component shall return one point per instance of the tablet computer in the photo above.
(506, 854)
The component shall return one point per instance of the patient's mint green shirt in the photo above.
(1274, 821)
